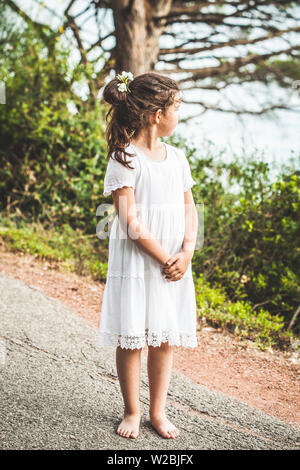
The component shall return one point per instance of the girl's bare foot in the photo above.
(129, 426)
(164, 427)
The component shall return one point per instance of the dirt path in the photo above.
(267, 380)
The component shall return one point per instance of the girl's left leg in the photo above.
(160, 360)
(128, 362)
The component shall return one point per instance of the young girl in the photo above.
(149, 296)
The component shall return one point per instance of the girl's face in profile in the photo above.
(170, 119)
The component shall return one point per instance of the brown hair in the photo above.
(130, 110)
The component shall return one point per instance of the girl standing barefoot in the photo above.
(149, 296)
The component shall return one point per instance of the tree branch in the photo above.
(39, 27)
(230, 43)
(234, 111)
(226, 67)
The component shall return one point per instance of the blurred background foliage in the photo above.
(52, 166)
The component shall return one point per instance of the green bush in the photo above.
(238, 317)
(52, 160)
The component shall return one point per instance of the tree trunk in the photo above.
(137, 33)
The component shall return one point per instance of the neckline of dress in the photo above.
(149, 159)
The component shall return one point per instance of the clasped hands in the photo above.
(175, 267)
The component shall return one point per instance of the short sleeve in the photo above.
(118, 175)
(188, 181)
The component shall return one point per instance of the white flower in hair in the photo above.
(122, 86)
(124, 77)
(127, 75)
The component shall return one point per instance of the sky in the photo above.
(274, 139)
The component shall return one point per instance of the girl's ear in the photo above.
(157, 116)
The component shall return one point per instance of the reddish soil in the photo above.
(268, 380)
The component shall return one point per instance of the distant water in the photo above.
(274, 142)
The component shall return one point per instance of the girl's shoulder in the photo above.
(177, 152)
(130, 157)
(137, 160)
(134, 156)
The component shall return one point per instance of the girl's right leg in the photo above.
(128, 363)
(160, 360)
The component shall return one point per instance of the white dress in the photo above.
(139, 307)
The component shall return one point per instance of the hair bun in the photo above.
(112, 95)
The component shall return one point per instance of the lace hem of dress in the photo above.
(141, 276)
(174, 338)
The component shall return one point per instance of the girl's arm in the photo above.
(125, 205)
(191, 224)
(179, 263)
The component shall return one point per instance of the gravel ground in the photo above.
(60, 391)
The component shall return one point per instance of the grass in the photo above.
(264, 329)
(73, 250)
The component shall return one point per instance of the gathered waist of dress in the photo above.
(163, 225)
(163, 209)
